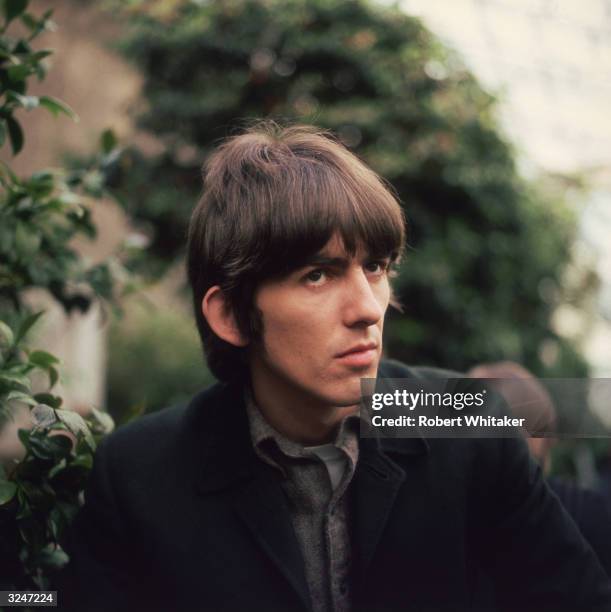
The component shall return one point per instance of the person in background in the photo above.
(527, 397)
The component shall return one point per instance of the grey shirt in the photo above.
(319, 507)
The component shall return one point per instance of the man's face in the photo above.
(322, 328)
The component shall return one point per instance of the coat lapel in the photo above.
(261, 504)
(217, 432)
(377, 481)
(229, 466)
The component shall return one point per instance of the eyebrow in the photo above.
(324, 260)
(320, 259)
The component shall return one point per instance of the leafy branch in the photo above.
(40, 215)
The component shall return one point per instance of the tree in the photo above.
(487, 249)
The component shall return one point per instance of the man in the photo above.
(526, 396)
(260, 495)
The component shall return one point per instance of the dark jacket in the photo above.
(592, 515)
(180, 514)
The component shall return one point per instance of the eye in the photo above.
(377, 267)
(316, 277)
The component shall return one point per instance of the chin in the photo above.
(344, 388)
(347, 395)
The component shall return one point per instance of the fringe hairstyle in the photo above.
(273, 197)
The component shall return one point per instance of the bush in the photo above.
(154, 361)
(39, 216)
(488, 250)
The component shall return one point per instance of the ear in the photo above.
(220, 317)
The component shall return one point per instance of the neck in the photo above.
(300, 418)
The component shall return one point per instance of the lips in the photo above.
(362, 355)
(360, 348)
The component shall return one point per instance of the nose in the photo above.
(362, 306)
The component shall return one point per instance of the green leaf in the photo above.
(24, 437)
(7, 240)
(27, 102)
(6, 169)
(2, 132)
(27, 241)
(41, 450)
(6, 335)
(57, 106)
(108, 141)
(23, 47)
(53, 377)
(29, 21)
(53, 558)
(41, 184)
(15, 380)
(53, 527)
(77, 425)
(14, 8)
(48, 399)
(25, 510)
(102, 421)
(100, 279)
(84, 461)
(50, 447)
(42, 359)
(26, 325)
(41, 71)
(57, 468)
(38, 55)
(37, 25)
(43, 416)
(7, 491)
(19, 396)
(19, 72)
(15, 134)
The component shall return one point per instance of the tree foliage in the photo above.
(40, 493)
(487, 250)
(163, 342)
(39, 217)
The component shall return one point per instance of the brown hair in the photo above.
(527, 398)
(273, 197)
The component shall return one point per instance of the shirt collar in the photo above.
(274, 448)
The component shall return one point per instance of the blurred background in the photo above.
(488, 117)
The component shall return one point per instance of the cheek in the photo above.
(382, 295)
(286, 334)
(297, 342)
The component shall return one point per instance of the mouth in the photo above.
(361, 355)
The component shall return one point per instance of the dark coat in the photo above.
(592, 515)
(180, 514)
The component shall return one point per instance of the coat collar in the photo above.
(216, 438)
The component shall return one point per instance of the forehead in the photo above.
(336, 247)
